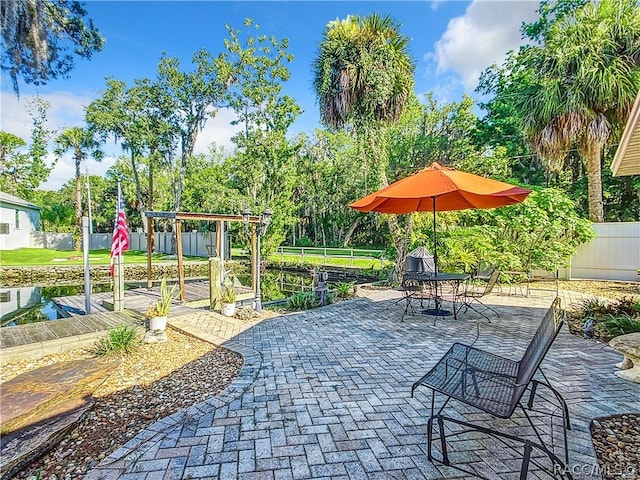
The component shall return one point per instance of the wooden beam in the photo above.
(183, 295)
(212, 217)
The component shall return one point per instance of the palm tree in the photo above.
(363, 77)
(584, 79)
(363, 71)
(82, 143)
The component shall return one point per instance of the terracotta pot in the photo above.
(158, 323)
(228, 309)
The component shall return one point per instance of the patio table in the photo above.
(436, 281)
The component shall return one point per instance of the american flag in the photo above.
(120, 239)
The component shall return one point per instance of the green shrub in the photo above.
(626, 306)
(344, 289)
(593, 308)
(610, 319)
(123, 340)
(621, 325)
(303, 301)
(304, 242)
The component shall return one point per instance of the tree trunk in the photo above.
(400, 237)
(150, 203)
(78, 159)
(136, 180)
(401, 242)
(594, 162)
(349, 234)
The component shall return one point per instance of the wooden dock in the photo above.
(78, 329)
(138, 299)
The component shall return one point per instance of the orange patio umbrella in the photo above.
(439, 189)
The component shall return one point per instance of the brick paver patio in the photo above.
(326, 394)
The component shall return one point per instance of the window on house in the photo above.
(17, 219)
(4, 229)
(5, 296)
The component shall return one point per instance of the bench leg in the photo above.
(524, 468)
(443, 441)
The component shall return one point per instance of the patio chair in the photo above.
(483, 272)
(470, 296)
(496, 385)
(414, 288)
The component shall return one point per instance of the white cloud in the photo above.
(219, 130)
(67, 110)
(481, 37)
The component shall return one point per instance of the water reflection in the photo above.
(278, 284)
(22, 305)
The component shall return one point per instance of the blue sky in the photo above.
(451, 43)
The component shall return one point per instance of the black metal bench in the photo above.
(496, 385)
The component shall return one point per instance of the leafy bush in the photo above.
(123, 339)
(302, 301)
(609, 319)
(541, 233)
(304, 242)
(621, 325)
(594, 307)
(626, 306)
(344, 289)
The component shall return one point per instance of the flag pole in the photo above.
(120, 243)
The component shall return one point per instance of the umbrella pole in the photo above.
(435, 247)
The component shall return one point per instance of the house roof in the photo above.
(627, 158)
(5, 198)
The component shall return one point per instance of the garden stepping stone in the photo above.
(41, 406)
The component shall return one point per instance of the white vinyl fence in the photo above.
(614, 254)
(194, 244)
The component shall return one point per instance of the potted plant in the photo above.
(158, 312)
(228, 301)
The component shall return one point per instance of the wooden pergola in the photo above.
(179, 217)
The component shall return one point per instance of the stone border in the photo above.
(117, 462)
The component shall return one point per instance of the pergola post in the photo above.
(220, 247)
(149, 251)
(255, 268)
(183, 295)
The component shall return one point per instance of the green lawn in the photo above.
(43, 256)
(331, 261)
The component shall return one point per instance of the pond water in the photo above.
(21, 305)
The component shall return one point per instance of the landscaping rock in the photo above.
(629, 346)
(48, 391)
(43, 405)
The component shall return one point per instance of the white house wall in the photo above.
(28, 220)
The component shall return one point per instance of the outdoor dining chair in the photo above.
(471, 296)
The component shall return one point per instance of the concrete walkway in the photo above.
(326, 394)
